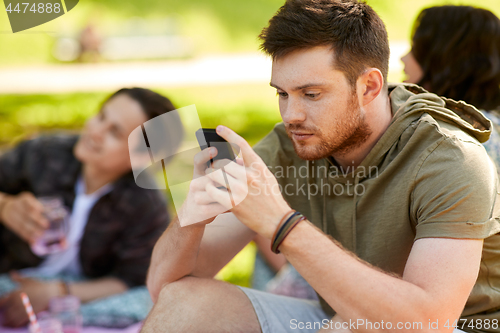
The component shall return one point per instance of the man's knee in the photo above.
(200, 305)
(176, 307)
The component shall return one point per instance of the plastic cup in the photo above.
(53, 240)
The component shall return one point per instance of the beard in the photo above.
(349, 133)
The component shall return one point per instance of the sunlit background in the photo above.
(202, 52)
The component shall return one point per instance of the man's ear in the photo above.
(370, 84)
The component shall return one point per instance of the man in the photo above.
(397, 190)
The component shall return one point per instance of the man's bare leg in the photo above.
(335, 326)
(202, 305)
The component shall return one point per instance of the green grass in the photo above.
(239, 270)
(251, 110)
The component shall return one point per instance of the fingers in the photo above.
(34, 210)
(32, 202)
(202, 198)
(235, 170)
(198, 184)
(221, 196)
(240, 161)
(230, 136)
(23, 214)
(217, 176)
(200, 160)
(38, 218)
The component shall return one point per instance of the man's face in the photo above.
(104, 140)
(321, 112)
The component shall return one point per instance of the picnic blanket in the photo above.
(117, 311)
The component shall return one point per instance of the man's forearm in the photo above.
(353, 288)
(174, 255)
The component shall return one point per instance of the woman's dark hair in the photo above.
(355, 32)
(152, 103)
(458, 48)
(169, 131)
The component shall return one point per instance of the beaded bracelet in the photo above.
(288, 222)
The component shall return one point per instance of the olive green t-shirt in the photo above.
(427, 176)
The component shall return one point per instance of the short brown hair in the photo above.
(352, 28)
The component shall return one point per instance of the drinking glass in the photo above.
(54, 238)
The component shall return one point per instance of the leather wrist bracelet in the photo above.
(286, 225)
(280, 225)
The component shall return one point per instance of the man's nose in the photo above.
(294, 112)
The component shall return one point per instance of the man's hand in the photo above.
(39, 293)
(254, 189)
(199, 206)
(23, 214)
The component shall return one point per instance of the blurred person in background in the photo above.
(455, 52)
(118, 221)
(90, 44)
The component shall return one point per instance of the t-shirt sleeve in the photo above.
(455, 193)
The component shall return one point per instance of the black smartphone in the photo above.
(208, 137)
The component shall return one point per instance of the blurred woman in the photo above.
(113, 223)
(455, 52)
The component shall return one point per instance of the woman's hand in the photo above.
(255, 198)
(23, 214)
(39, 293)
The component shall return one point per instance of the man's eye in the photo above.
(282, 94)
(312, 95)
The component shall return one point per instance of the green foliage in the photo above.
(213, 26)
(251, 110)
(27, 115)
(239, 270)
(399, 15)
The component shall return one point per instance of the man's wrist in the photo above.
(275, 221)
(288, 243)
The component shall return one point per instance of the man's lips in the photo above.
(301, 136)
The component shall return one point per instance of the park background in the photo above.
(43, 88)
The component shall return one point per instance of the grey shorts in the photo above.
(282, 314)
